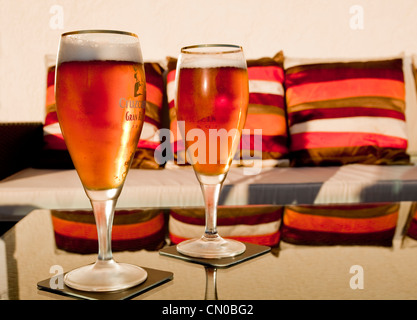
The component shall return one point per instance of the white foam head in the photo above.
(99, 45)
(212, 56)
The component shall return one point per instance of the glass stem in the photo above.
(211, 284)
(104, 214)
(211, 193)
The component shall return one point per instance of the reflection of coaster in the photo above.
(155, 278)
(252, 251)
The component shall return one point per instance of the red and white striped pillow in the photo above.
(253, 224)
(55, 154)
(347, 112)
(266, 111)
(133, 230)
(351, 224)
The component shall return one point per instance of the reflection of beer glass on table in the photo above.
(100, 97)
(212, 100)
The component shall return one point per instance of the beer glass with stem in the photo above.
(212, 94)
(100, 99)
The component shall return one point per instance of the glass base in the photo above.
(105, 276)
(211, 248)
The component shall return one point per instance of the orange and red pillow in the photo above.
(411, 230)
(76, 231)
(252, 224)
(55, 154)
(356, 224)
(347, 112)
(266, 111)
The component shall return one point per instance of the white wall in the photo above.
(30, 29)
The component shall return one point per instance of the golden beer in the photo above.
(212, 102)
(100, 93)
(214, 113)
(100, 107)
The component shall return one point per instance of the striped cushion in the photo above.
(411, 229)
(347, 112)
(55, 154)
(266, 112)
(362, 224)
(253, 224)
(76, 231)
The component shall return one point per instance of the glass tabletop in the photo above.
(38, 247)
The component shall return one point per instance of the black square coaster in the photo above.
(155, 278)
(252, 251)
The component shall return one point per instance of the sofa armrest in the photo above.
(20, 144)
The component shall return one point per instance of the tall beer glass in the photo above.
(100, 98)
(212, 100)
